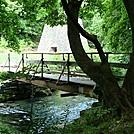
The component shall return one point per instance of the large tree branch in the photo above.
(92, 38)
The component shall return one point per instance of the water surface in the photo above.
(37, 114)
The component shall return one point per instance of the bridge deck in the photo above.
(77, 80)
(76, 84)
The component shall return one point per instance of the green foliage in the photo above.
(5, 75)
(119, 58)
(22, 22)
(10, 75)
(16, 27)
(7, 129)
(109, 21)
(98, 120)
(116, 28)
(3, 44)
(9, 24)
(51, 12)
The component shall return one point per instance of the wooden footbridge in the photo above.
(60, 71)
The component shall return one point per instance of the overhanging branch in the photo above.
(92, 38)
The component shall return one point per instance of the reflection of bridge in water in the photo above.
(60, 71)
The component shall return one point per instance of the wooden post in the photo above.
(107, 55)
(68, 68)
(23, 63)
(62, 72)
(9, 61)
(42, 65)
(26, 56)
(63, 57)
(91, 56)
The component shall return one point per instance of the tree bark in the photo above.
(102, 75)
(129, 78)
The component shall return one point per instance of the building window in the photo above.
(54, 49)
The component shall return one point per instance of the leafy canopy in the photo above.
(22, 21)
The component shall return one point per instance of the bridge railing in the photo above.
(64, 63)
(60, 63)
(10, 62)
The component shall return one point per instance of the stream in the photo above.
(35, 116)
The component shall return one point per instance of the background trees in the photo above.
(22, 22)
(108, 19)
(9, 24)
(17, 26)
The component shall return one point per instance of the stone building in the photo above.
(55, 39)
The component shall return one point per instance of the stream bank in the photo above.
(39, 115)
(12, 90)
(98, 120)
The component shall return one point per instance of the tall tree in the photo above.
(128, 82)
(18, 24)
(115, 26)
(114, 95)
(9, 24)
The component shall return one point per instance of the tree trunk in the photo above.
(102, 75)
(129, 78)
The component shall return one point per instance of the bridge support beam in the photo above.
(67, 87)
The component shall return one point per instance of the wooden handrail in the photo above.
(73, 63)
(72, 53)
(66, 58)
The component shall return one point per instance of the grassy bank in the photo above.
(101, 121)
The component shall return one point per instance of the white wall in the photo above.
(56, 37)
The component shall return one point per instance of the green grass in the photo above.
(7, 129)
(99, 121)
(15, 57)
